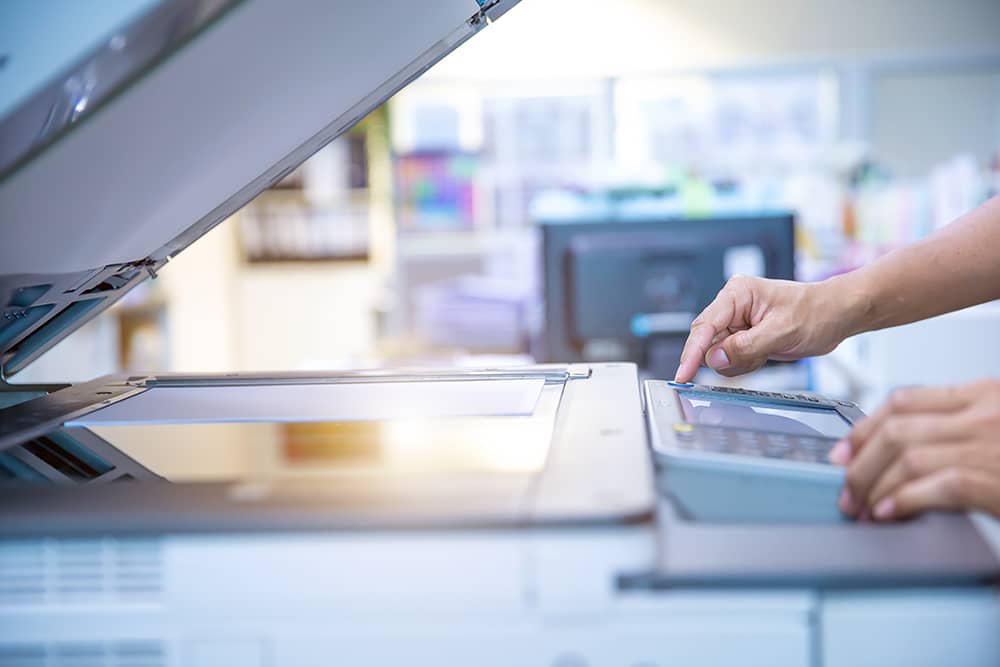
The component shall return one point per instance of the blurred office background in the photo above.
(575, 183)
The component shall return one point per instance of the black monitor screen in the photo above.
(628, 290)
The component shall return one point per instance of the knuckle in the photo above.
(738, 282)
(988, 418)
(900, 399)
(913, 463)
(853, 480)
(957, 486)
(742, 346)
(893, 434)
(987, 384)
(988, 389)
(858, 434)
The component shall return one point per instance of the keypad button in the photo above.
(710, 444)
(816, 450)
(808, 447)
(777, 447)
(744, 442)
(796, 454)
(824, 449)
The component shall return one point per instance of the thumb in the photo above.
(741, 352)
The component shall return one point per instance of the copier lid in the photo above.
(129, 128)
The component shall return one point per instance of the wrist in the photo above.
(848, 297)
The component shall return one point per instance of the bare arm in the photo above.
(752, 319)
(957, 267)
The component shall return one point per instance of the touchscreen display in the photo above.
(711, 410)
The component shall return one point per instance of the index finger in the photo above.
(911, 400)
(712, 321)
(953, 488)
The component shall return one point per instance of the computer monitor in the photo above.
(628, 290)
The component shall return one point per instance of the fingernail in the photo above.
(845, 502)
(717, 359)
(841, 453)
(885, 509)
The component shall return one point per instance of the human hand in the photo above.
(756, 319)
(924, 449)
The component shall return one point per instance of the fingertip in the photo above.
(856, 435)
(845, 502)
(841, 453)
(885, 509)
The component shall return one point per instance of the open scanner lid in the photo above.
(129, 128)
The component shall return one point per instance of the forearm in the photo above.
(957, 267)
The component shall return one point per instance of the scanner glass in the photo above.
(289, 450)
(712, 410)
(322, 402)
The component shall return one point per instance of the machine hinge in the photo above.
(484, 13)
(148, 264)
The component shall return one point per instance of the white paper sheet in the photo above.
(322, 402)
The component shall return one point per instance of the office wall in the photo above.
(893, 97)
(198, 287)
(224, 314)
(558, 39)
(920, 118)
(309, 316)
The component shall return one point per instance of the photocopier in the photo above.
(557, 514)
